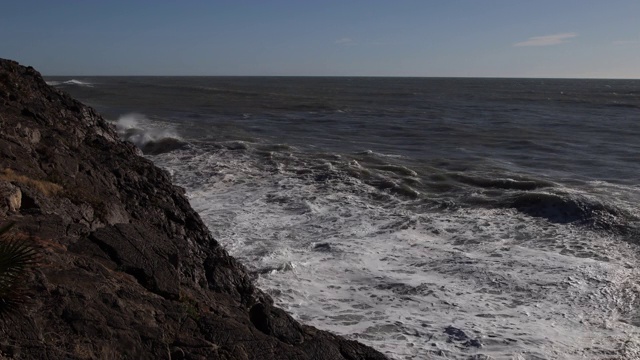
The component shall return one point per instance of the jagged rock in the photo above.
(128, 268)
(10, 198)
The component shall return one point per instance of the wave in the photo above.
(150, 141)
(286, 266)
(305, 107)
(506, 183)
(320, 242)
(398, 169)
(552, 202)
(623, 105)
(565, 208)
(373, 155)
(72, 82)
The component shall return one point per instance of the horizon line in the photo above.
(367, 76)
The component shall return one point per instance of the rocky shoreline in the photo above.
(127, 269)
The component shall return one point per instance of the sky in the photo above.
(426, 38)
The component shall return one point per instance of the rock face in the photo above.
(128, 270)
(10, 198)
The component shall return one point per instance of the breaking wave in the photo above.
(340, 245)
(150, 140)
(573, 209)
(72, 82)
(523, 184)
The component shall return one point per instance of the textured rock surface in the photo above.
(10, 198)
(128, 269)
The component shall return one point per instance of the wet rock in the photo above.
(460, 336)
(473, 343)
(162, 146)
(287, 266)
(456, 334)
(128, 268)
(323, 247)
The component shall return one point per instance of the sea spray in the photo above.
(151, 140)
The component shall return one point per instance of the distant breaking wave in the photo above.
(73, 82)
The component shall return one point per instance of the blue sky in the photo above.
(494, 38)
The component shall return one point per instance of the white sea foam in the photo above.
(78, 83)
(72, 82)
(139, 130)
(395, 277)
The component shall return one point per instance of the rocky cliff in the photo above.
(127, 268)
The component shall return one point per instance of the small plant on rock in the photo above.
(17, 258)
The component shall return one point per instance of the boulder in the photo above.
(10, 198)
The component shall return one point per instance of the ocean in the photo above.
(431, 218)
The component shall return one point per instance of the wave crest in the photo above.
(573, 209)
(502, 183)
(151, 141)
(72, 82)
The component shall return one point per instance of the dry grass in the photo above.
(45, 187)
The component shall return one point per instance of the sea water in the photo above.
(429, 218)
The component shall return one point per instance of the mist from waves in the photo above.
(151, 140)
(362, 245)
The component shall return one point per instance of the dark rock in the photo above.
(162, 146)
(128, 269)
(324, 247)
(456, 334)
(473, 343)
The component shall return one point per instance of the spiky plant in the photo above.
(17, 258)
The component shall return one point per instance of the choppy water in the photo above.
(429, 218)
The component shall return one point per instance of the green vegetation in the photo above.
(17, 258)
(190, 306)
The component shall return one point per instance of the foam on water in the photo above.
(72, 82)
(375, 266)
(151, 138)
(467, 228)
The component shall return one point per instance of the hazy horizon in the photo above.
(342, 76)
(569, 39)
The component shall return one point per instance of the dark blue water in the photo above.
(575, 128)
(519, 194)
